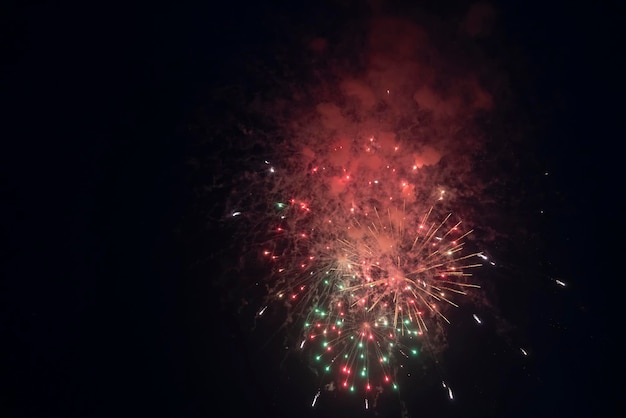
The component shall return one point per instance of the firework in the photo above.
(367, 292)
(365, 270)
(361, 187)
(352, 203)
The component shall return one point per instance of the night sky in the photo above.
(113, 300)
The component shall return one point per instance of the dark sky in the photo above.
(102, 311)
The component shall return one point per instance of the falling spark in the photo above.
(443, 383)
(317, 395)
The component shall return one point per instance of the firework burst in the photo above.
(353, 201)
(365, 260)
(358, 185)
(369, 290)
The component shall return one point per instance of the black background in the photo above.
(102, 314)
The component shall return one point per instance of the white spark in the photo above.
(317, 395)
(477, 319)
(449, 389)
